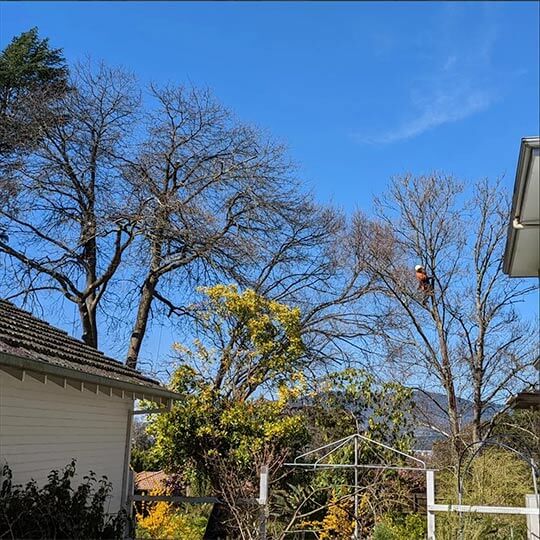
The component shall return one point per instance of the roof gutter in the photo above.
(516, 224)
(138, 391)
(520, 184)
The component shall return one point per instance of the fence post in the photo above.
(533, 522)
(430, 492)
(263, 500)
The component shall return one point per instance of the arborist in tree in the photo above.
(425, 282)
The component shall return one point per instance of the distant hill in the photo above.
(431, 410)
(429, 416)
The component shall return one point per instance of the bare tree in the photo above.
(186, 194)
(313, 262)
(241, 514)
(66, 225)
(212, 192)
(463, 336)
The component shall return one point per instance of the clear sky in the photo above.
(358, 91)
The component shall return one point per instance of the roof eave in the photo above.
(525, 400)
(139, 391)
(525, 151)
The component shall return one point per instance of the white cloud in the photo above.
(443, 108)
(450, 62)
(462, 84)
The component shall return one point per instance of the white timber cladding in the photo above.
(44, 425)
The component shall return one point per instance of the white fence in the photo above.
(532, 510)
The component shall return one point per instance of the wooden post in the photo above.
(430, 492)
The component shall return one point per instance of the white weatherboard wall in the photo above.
(44, 426)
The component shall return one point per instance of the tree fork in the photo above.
(89, 324)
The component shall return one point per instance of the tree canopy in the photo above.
(29, 63)
(32, 75)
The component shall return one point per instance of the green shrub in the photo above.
(496, 477)
(480, 527)
(57, 510)
(401, 527)
(382, 531)
(145, 460)
(166, 520)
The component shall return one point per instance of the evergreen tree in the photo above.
(29, 63)
(32, 76)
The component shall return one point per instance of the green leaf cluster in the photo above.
(401, 527)
(27, 63)
(205, 426)
(57, 509)
(32, 78)
(246, 341)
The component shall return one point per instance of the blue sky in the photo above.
(358, 91)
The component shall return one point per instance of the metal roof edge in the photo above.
(59, 371)
(526, 146)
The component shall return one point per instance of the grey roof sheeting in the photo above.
(26, 337)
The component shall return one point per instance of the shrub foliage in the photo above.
(57, 510)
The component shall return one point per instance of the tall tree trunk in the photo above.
(147, 295)
(88, 306)
(448, 380)
(478, 370)
(87, 312)
(478, 379)
(141, 321)
(477, 405)
(453, 413)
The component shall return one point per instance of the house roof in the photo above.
(41, 347)
(525, 400)
(150, 480)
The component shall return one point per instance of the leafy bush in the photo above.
(337, 523)
(164, 520)
(401, 527)
(145, 460)
(496, 477)
(143, 455)
(383, 531)
(480, 527)
(57, 510)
